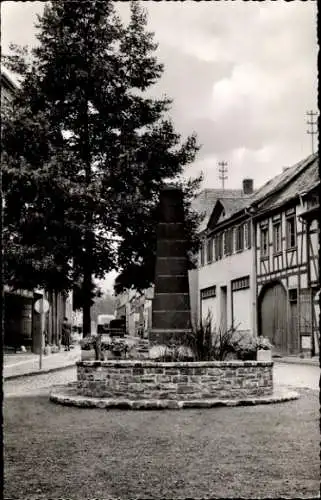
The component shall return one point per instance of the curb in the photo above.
(67, 396)
(303, 361)
(40, 372)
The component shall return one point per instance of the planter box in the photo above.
(264, 355)
(88, 355)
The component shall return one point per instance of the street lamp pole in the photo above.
(42, 315)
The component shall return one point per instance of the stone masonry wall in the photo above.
(176, 381)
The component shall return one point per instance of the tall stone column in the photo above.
(171, 315)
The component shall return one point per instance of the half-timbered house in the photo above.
(286, 245)
(258, 263)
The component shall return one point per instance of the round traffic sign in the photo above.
(45, 305)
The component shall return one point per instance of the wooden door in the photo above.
(273, 316)
(315, 321)
(293, 337)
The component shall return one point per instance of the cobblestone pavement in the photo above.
(39, 384)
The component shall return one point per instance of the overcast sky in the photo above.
(242, 76)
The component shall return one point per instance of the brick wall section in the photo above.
(176, 381)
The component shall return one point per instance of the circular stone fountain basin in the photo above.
(174, 380)
(158, 385)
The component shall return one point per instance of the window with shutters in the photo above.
(219, 246)
(277, 237)
(202, 252)
(248, 234)
(239, 238)
(290, 232)
(228, 242)
(264, 241)
(210, 250)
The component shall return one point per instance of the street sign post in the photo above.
(41, 307)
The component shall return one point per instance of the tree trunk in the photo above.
(86, 156)
(55, 322)
(86, 320)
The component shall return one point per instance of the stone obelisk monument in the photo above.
(171, 315)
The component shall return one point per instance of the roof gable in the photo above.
(215, 215)
(225, 209)
(206, 201)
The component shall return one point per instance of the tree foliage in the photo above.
(86, 151)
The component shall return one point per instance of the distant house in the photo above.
(137, 309)
(204, 204)
(21, 321)
(225, 277)
(258, 262)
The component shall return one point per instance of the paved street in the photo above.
(39, 384)
(297, 375)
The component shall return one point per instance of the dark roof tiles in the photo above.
(300, 178)
(207, 199)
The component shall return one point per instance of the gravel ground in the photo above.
(254, 452)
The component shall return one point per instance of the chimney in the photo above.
(247, 186)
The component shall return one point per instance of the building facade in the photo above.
(286, 245)
(258, 264)
(137, 309)
(226, 278)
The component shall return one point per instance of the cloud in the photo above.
(242, 76)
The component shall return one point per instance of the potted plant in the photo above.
(244, 345)
(118, 347)
(263, 349)
(88, 351)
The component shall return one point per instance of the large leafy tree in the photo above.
(94, 150)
